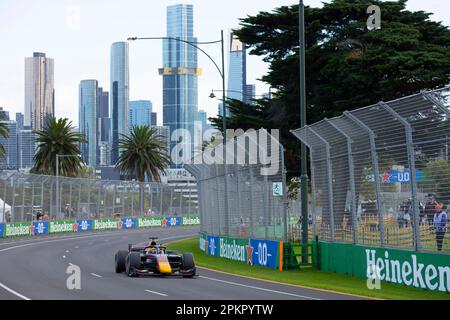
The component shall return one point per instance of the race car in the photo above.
(154, 259)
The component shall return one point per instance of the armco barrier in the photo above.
(254, 252)
(37, 228)
(423, 270)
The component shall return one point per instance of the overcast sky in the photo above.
(78, 35)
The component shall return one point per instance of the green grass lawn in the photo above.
(306, 276)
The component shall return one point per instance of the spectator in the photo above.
(46, 217)
(440, 226)
(430, 209)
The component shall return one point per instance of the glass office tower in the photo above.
(180, 73)
(87, 109)
(237, 69)
(39, 90)
(140, 113)
(119, 95)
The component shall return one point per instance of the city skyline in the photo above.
(81, 54)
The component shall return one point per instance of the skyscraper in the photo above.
(180, 75)
(119, 95)
(154, 119)
(39, 90)
(103, 121)
(140, 113)
(88, 101)
(237, 72)
(27, 148)
(9, 162)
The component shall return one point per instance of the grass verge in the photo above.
(307, 276)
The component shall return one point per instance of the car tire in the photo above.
(120, 260)
(188, 263)
(133, 262)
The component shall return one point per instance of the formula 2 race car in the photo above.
(153, 259)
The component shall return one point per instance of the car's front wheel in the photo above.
(133, 263)
(120, 260)
(188, 263)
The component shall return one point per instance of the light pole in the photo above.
(304, 173)
(224, 118)
(212, 94)
(57, 177)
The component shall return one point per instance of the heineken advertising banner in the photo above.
(421, 270)
(106, 224)
(84, 225)
(172, 221)
(39, 227)
(128, 223)
(191, 221)
(45, 227)
(17, 229)
(149, 222)
(255, 252)
(61, 226)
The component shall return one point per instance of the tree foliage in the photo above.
(58, 138)
(143, 152)
(347, 66)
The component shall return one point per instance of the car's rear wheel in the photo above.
(120, 260)
(188, 263)
(133, 262)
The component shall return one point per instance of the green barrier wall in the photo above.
(423, 270)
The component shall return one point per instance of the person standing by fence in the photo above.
(440, 226)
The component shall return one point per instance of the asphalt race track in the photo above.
(36, 269)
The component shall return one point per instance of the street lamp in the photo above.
(58, 207)
(224, 118)
(304, 173)
(212, 94)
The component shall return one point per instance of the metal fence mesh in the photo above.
(27, 197)
(238, 199)
(380, 175)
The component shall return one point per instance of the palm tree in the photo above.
(58, 137)
(4, 132)
(143, 152)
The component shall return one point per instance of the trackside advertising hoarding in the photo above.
(83, 225)
(106, 224)
(253, 252)
(423, 270)
(39, 227)
(17, 229)
(36, 228)
(61, 226)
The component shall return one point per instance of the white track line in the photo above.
(96, 275)
(14, 292)
(259, 288)
(158, 293)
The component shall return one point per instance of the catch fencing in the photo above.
(246, 196)
(380, 174)
(30, 197)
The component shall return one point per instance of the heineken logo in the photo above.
(106, 224)
(191, 221)
(13, 230)
(149, 222)
(232, 250)
(410, 272)
(63, 226)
